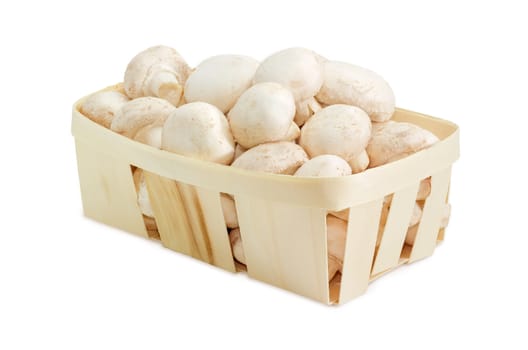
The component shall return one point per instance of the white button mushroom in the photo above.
(139, 113)
(336, 230)
(150, 135)
(143, 199)
(340, 130)
(395, 140)
(263, 113)
(220, 80)
(424, 190)
(158, 71)
(413, 230)
(349, 84)
(277, 157)
(229, 210)
(299, 70)
(326, 165)
(199, 130)
(102, 106)
(236, 246)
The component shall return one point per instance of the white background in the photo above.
(70, 283)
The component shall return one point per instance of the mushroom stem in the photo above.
(305, 109)
(359, 163)
(165, 84)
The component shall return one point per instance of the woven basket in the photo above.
(282, 218)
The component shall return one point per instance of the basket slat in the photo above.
(362, 232)
(216, 229)
(393, 237)
(285, 245)
(169, 211)
(108, 191)
(428, 229)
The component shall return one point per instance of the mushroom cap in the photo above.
(277, 157)
(341, 130)
(263, 113)
(229, 210)
(236, 245)
(416, 215)
(353, 85)
(143, 199)
(296, 68)
(157, 71)
(102, 106)
(198, 130)
(326, 165)
(424, 190)
(336, 230)
(150, 135)
(392, 140)
(220, 80)
(139, 113)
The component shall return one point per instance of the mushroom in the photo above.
(416, 214)
(158, 71)
(391, 141)
(239, 150)
(424, 190)
(341, 130)
(199, 130)
(139, 113)
(220, 80)
(236, 246)
(143, 199)
(326, 165)
(102, 106)
(444, 221)
(359, 163)
(336, 230)
(277, 157)
(150, 135)
(263, 113)
(299, 70)
(356, 86)
(229, 210)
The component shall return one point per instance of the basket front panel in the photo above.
(285, 245)
(362, 232)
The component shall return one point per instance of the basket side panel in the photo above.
(360, 243)
(393, 237)
(107, 189)
(285, 245)
(428, 229)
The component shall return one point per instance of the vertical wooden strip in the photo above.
(427, 235)
(393, 238)
(169, 210)
(196, 220)
(362, 232)
(216, 229)
(285, 245)
(107, 189)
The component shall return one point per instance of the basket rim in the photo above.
(333, 193)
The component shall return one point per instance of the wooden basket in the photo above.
(282, 218)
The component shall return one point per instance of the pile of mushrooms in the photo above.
(295, 113)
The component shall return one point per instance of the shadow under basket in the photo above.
(282, 218)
